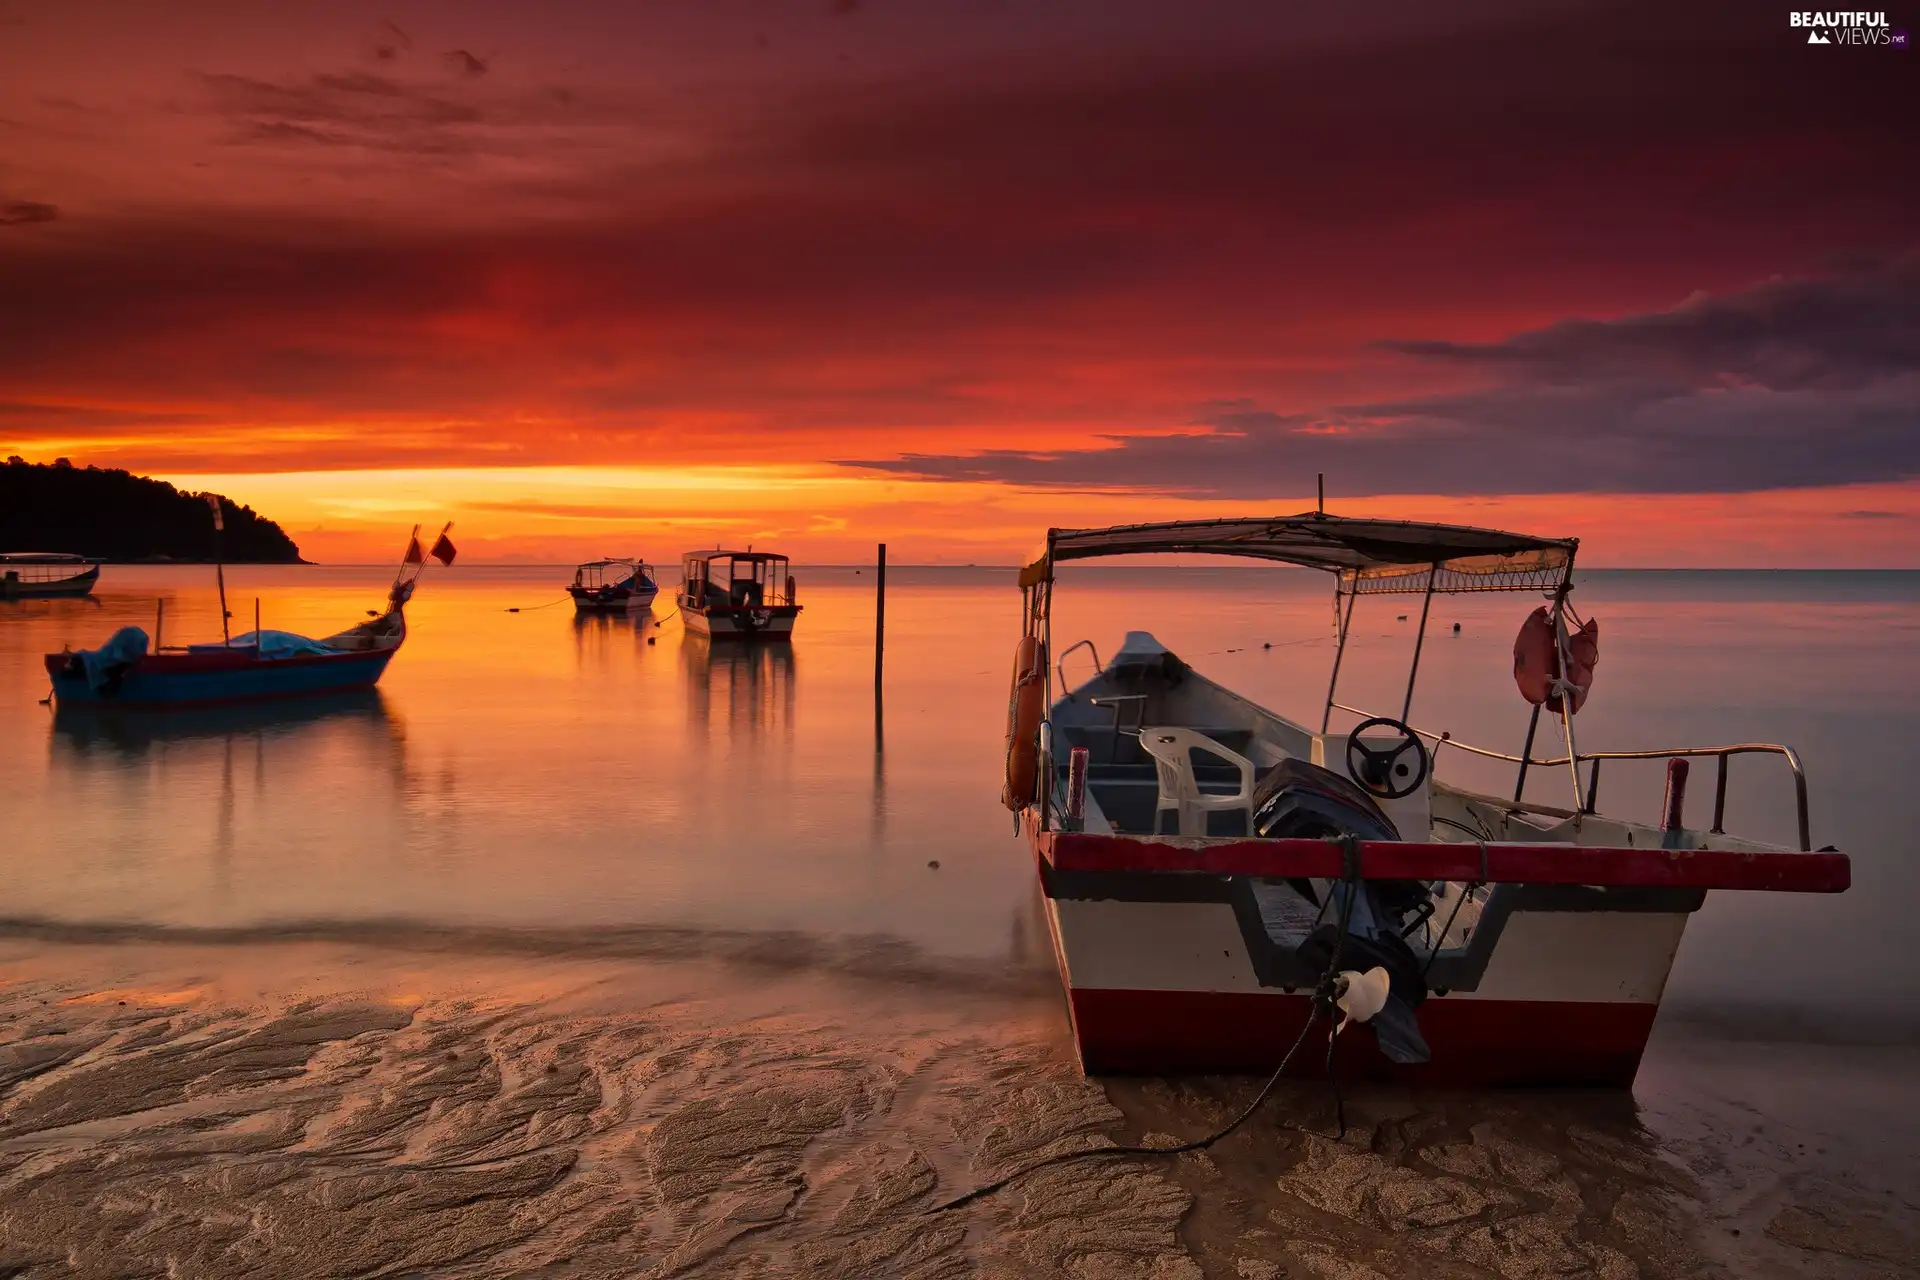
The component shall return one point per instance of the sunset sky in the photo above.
(632, 277)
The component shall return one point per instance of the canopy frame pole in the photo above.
(1345, 620)
(1043, 758)
(1419, 641)
(1526, 754)
(1566, 698)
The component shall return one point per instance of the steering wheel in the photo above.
(1381, 771)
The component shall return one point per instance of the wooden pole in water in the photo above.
(880, 621)
(159, 620)
(256, 623)
(219, 566)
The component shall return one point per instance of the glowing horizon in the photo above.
(565, 515)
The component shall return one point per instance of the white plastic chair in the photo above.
(1172, 751)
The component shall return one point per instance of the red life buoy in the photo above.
(1534, 665)
(1024, 708)
(1536, 660)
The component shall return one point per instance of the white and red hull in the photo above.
(1569, 997)
(773, 623)
(1161, 972)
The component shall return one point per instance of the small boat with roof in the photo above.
(1225, 886)
(613, 585)
(742, 595)
(133, 669)
(45, 575)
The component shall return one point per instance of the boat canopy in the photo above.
(41, 557)
(1369, 555)
(717, 554)
(610, 571)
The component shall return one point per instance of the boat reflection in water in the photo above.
(237, 789)
(747, 689)
(601, 638)
(84, 732)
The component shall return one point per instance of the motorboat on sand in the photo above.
(1211, 869)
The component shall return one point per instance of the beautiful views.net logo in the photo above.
(1848, 28)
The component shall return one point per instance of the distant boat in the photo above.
(40, 575)
(745, 595)
(133, 669)
(613, 585)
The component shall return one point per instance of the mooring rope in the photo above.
(1323, 1002)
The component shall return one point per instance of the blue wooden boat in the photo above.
(260, 664)
(252, 666)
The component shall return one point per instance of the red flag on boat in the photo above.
(443, 548)
(413, 552)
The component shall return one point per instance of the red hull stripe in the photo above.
(1474, 1042)
(1504, 863)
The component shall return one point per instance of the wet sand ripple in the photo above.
(154, 1133)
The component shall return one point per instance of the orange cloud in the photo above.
(828, 515)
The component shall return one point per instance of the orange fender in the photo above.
(1536, 664)
(1024, 709)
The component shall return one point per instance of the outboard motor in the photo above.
(1301, 801)
(1295, 800)
(1371, 945)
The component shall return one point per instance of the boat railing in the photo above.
(1060, 666)
(1722, 756)
(40, 572)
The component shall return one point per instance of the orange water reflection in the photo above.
(533, 772)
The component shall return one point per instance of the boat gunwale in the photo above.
(162, 706)
(1486, 862)
(729, 607)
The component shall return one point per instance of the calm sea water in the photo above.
(534, 778)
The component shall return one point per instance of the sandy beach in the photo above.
(327, 1109)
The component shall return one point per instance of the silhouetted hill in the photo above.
(115, 515)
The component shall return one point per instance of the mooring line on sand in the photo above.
(1323, 1002)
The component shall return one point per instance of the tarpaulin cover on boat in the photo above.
(1369, 555)
(104, 665)
(283, 644)
(271, 644)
